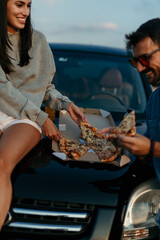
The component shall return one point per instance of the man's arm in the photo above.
(139, 145)
(156, 152)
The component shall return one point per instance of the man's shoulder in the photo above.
(155, 96)
(156, 92)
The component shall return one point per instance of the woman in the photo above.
(26, 71)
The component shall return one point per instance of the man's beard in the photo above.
(157, 84)
(155, 80)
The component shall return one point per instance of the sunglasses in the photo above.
(143, 59)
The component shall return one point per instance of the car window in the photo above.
(99, 81)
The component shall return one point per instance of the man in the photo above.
(145, 42)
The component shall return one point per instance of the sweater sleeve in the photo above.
(23, 91)
(53, 98)
(15, 104)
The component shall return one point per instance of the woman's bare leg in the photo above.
(15, 143)
(1, 133)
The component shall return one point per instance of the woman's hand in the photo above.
(76, 114)
(50, 130)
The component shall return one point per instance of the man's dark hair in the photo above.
(150, 29)
(24, 45)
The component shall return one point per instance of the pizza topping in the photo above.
(72, 149)
(126, 127)
(87, 132)
(104, 149)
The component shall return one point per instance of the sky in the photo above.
(96, 22)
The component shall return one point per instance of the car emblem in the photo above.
(8, 219)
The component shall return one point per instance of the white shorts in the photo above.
(6, 121)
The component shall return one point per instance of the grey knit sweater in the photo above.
(23, 91)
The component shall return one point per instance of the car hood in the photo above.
(42, 176)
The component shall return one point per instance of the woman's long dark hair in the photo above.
(25, 41)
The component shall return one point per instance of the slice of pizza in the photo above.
(105, 150)
(87, 132)
(73, 149)
(126, 127)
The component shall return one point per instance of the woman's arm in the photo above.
(55, 100)
(15, 104)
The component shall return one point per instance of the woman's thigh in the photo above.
(16, 142)
(1, 132)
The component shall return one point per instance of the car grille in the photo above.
(47, 217)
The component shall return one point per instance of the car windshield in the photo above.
(99, 81)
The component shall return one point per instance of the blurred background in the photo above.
(102, 22)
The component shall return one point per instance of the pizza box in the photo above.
(69, 129)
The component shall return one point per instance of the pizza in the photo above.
(87, 132)
(73, 149)
(126, 127)
(105, 149)
(107, 152)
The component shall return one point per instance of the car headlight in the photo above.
(144, 205)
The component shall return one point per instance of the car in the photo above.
(53, 199)
(101, 77)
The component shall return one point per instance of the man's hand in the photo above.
(50, 130)
(137, 145)
(76, 114)
(107, 131)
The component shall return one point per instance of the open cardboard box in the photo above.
(70, 130)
